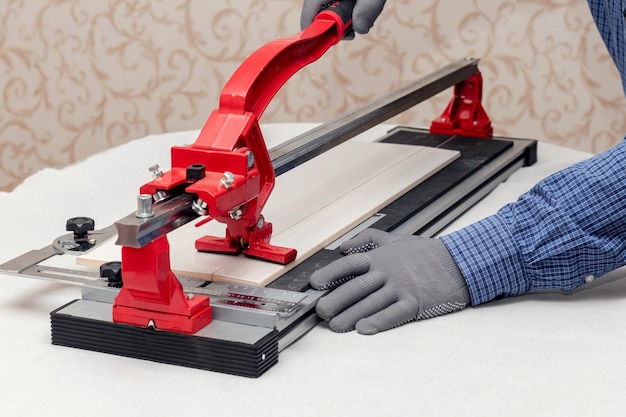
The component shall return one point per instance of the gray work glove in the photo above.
(364, 14)
(388, 280)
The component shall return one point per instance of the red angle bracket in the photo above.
(465, 114)
(230, 171)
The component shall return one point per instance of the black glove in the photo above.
(364, 14)
(388, 280)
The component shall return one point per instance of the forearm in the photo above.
(570, 226)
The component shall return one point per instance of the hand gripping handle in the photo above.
(339, 9)
(259, 77)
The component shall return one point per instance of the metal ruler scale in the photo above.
(231, 302)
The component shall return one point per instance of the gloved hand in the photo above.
(388, 280)
(364, 14)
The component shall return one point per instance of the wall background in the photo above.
(79, 76)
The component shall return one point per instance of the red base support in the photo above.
(153, 296)
(163, 321)
(465, 114)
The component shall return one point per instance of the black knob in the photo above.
(112, 271)
(80, 226)
(195, 172)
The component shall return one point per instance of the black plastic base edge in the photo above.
(250, 360)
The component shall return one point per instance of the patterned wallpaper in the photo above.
(79, 76)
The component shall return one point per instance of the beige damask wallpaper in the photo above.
(79, 76)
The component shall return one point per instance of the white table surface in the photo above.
(544, 354)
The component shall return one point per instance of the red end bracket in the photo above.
(465, 114)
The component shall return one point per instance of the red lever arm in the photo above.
(262, 74)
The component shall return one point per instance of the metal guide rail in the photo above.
(231, 302)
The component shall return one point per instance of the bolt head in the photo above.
(155, 170)
(144, 206)
(227, 180)
(250, 159)
(236, 213)
(81, 226)
(200, 207)
(112, 271)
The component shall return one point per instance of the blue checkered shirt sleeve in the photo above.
(610, 19)
(569, 226)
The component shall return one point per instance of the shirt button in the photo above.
(589, 278)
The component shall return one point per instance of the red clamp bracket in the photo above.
(465, 114)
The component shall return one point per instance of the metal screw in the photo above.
(144, 206)
(68, 244)
(236, 213)
(250, 159)
(260, 222)
(200, 207)
(155, 170)
(227, 180)
(190, 296)
(160, 196)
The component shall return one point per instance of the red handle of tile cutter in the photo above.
(259, 78)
